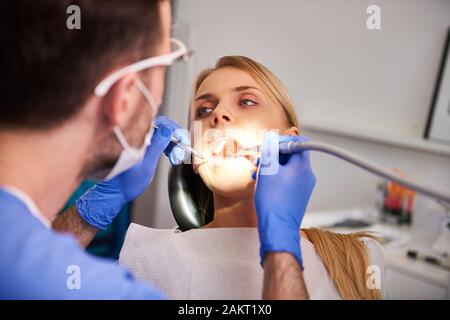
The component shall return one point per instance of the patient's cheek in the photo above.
(230, 178)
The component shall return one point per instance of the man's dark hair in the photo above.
(47, 71)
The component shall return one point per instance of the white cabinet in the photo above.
(410, 279)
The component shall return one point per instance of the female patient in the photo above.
(239, 98)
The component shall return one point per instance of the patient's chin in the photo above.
(230, 177)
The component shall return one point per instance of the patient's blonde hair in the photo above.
(346, 259)
(344, 255)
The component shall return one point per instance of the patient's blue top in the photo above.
(39, 263)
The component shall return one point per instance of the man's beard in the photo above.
(98, 169)
(100, 164)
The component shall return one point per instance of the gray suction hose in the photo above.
(291, 147)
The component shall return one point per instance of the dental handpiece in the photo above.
(297, 146)
(184, 146)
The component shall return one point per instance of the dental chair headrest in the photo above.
(185, 191)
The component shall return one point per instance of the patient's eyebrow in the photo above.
(211, 97)
(242, 88)
(206, 96)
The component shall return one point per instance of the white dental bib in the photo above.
(216, 263)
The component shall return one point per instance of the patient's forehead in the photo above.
(223, 81)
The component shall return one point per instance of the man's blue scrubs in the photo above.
(39, 263)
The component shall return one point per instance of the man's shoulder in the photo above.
(37, 262)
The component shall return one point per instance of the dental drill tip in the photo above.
(198, 155)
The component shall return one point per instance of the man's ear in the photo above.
(120, 101)
(292, 131)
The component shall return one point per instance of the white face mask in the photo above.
(131, 156)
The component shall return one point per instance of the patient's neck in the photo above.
(233, 212)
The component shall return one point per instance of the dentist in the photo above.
(80, 103)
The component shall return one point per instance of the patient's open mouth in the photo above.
(228, 148)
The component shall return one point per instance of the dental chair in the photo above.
(186, 190)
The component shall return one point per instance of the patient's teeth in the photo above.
(217, 146)
(227, 148)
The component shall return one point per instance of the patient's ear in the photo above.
(292, 131)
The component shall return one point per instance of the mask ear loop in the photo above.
(121, 138)
(124, 142)
(143, 89)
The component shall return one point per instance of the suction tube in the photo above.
(292, 146)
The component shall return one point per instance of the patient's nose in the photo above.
(220, 117)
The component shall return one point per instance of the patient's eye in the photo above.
(247, 102)
(203, 111)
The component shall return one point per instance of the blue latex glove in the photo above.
(281, 198)
(102, 203)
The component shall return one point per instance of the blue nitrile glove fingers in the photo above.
(174, 152)
(281, 199)
(102, 203)
(177, 154)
